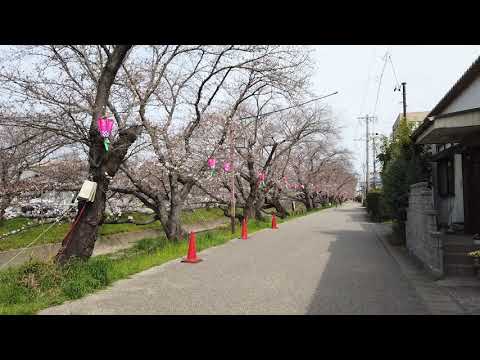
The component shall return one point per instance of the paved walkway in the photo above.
(330, 262)
(447, 296)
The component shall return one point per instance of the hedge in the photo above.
(376, 205)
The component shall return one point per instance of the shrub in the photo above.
(403, 164)
(376, 205)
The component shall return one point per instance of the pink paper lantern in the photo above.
(227, 166)
(105, 126)
(211, 163)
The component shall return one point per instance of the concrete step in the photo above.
(460, 269)
(460, 248)
(460, 258)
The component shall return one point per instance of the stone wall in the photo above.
(422, 238)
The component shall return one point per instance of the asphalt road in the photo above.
(329, 262)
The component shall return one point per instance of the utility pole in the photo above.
(366, 155)
(232, 199)
(404, 92)
(374, 150)
(367, 119)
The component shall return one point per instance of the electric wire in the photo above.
(368, 82)
(394, 72)
(380, 84)
(289, 107)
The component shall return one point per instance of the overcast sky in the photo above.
(354, 71)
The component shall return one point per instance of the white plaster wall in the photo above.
(468, 99)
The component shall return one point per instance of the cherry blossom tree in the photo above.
(321, 173)
(267, 138)
(188, 98)
(177, 109)
(22, 151)
(63, 90)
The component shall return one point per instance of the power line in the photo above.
(380, 83)
(290, 107)
(368, 82)
(394, 73)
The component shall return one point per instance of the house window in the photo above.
(446, 178)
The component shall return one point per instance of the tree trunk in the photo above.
(81, 241)
(280, 209)
(308, 201)
(173, 226)
(171, 218)
(249, 208)
(258, 209)
(4, 204)
(171, 221)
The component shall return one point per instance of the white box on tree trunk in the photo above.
(88, 191)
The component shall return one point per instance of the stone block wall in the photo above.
(422, 238)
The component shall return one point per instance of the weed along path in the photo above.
(329, 262)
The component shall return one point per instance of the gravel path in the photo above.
(329, 262)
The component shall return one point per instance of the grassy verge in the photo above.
(57, 232)
(36, 285)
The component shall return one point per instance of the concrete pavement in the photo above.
(330, 262)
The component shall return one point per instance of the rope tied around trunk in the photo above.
(67, 238)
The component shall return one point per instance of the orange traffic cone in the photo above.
(244, 229)
(274, 222)
(192, 252)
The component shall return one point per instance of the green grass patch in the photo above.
(12, 224)
(55, 234)
(109, 229)
(302, 211)
(201, 215)
(58, 231)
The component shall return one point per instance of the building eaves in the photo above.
(465, 80)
